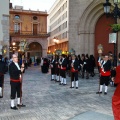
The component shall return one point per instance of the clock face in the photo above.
(34, 18)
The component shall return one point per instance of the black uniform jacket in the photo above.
(53, 62)
(107, 66)
(2, 68)
(64, 63)
(76, 64)
(14, 72)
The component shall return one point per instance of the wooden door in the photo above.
(34, 29)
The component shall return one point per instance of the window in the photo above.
(34, 18)
(17, 17)
(16, 27)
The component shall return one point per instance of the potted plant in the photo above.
(115, 27)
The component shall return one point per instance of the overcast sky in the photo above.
(42, 5)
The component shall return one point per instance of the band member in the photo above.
(52, 66)
(2, 72)
(74, 71)
(116, 96)
(63, 70)
(69, 61)
(105, 74)
(59, 67)
(15, 81)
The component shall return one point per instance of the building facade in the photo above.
(31, 27)
(86, 26)
(4, 28)
(58, 26)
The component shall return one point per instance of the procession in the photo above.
(74, 67)
(59, 60)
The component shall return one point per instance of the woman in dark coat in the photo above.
(92, 65)
(45, 66)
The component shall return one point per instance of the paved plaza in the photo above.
(47, 100)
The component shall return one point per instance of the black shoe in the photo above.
(87, 77)
(76, 87)
(98, 92)
(64, 84)
(14, 108)
(22, 105)
(71, 87)
(61, 84)
(105, 93)
(52, 79)
(1, 96)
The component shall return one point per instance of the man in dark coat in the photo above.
(15, 81)
(52, 65)
(74, 71)
(105, 74)
(63, 70)
(2, 72)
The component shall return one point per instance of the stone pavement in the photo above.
(47, 100)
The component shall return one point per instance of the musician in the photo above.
(52, 66)
(69, 61)
(15, 81)
(74, 71)
(105, 74)
(2, 72)
(63, 70)
(59, 68)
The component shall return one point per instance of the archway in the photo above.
(35, 51)
(102, 34)
(88, 24)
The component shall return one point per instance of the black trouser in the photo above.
(104, 80)
(15, 88)
(53, 71)
(74, 75)
(1, 80)
(63, 73)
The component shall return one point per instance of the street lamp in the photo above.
(116, 14)
(56, 41)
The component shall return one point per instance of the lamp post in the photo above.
(116, 14)
(23, 46)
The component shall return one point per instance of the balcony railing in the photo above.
(29, 33)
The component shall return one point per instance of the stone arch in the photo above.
(41, 43)
(86, 26)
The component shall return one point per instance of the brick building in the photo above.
(30, 26)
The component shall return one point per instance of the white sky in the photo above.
(42, 5)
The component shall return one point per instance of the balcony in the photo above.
(28, 34)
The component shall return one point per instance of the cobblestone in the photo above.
(47, 100)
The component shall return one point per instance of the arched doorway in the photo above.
(102, 34)
(35, 51)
